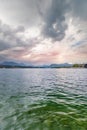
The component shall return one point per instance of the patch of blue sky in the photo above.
(79, 43)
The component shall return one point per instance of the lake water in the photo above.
(43, 99)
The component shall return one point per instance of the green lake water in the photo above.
(43, 99)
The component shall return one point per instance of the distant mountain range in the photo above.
(8, 64)
(11, 64)
(61, 65)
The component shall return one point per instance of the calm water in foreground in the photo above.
(43, 99)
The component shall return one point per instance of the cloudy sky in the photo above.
(43, 31)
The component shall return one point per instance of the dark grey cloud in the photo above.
(4, 45)
(50, 14)
(13, 43)
(54, 20)
(9, 36)
(3, 57)
(51, 17)
(78, 9)
(55, 17)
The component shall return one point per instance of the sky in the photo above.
(43, 31)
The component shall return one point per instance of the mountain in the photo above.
(65, 65)
(11, 64)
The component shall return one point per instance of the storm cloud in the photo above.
(28, 25)
(79, 9)
(54, 20)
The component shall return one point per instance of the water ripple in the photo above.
(51, 99)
